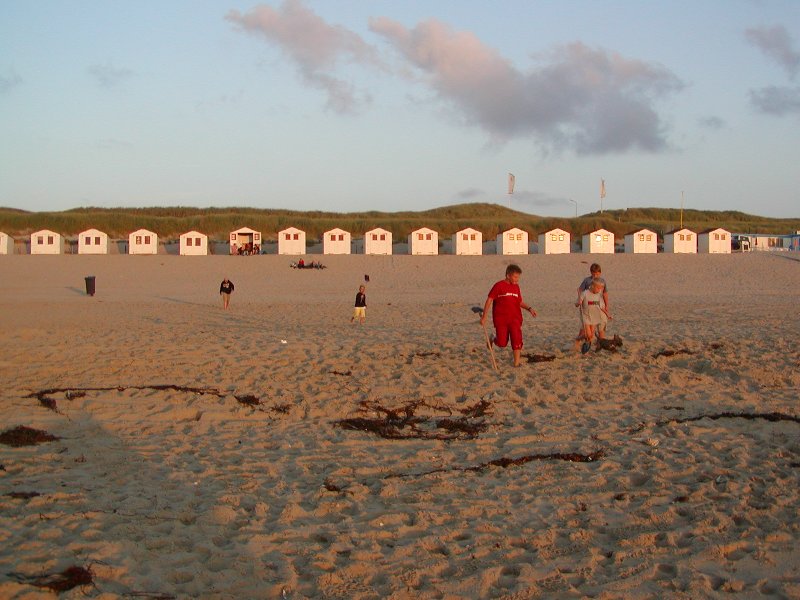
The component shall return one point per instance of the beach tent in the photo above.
(6, 243)
(378, 241)
(468, 242)
(336, 241)
(512, 241)
(93, 241)
(244, 238)
(142, 241)
(555, 241)
(47, 242)
(714, 241)
(600, 241)
(423, 241)
(193, 243)
(292, 241)
(680, 241)
(643, 241)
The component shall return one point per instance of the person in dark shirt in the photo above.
(360, 309)
(225, 290)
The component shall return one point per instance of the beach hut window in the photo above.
(188, 241)
(689, 237)
(333, 238)
(88, 241)
(553, 237)
(681, 237)
(286, 236)
(97, 241)
(138, 240)
(256, 237)
(723, 237)
(341, 237)
(464, 237)
(560, 237)
(147, 240)
(297, 236)
(641, 237)
(519, 236)
(473, 237)
(597, 238)
(374, 237)
(233, 237)
(49, 240)
(196, 241)
(383, 237)
(649, 237)
(605, 238)
(419, 236)
(428, 236)
(40, 240)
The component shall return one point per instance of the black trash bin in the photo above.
(90, 285)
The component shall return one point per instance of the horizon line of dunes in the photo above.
(489, 219)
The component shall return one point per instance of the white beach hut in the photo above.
(193, 243)
(680, 241)
(378, 241)
(512, 241)
(47, 242)
(643, 241)
(555, 241)
(423, 241)
(600, 241)
(93, 241)
(468, 242)
(142, 241)
(336, 241)
(244, 240)
(6, 243)
(292, 241)
(714, 241)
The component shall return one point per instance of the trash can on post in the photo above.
(90, 285)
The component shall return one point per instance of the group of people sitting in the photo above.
(301, 264)
(247, 249)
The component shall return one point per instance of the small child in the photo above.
(595, 274)
(593, 314)
(505, 300)
(360, 310)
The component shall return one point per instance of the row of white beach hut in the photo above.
(424, 241)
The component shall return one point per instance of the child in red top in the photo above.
(505, 299)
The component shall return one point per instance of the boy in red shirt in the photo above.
(505, 299)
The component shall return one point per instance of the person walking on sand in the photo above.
(225, 290)
(593, 315)
(595, 274)
(505, 300)
(360, 308)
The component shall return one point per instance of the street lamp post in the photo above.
(575, 202)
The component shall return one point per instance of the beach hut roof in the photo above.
(671, 231)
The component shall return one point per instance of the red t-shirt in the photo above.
(506, 301)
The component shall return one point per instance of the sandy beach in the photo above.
(275, 450)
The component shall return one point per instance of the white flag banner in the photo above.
(511, 180)
(602, 188)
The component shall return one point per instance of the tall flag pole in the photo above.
(681, 209)
(511, 181)
(602, 193)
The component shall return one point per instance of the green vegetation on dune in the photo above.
(489, 219)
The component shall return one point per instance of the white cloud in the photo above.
(590, 101)
(316, 48)
(776, 101)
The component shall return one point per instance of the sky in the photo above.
(387, 105)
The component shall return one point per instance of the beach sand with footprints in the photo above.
(275, 450)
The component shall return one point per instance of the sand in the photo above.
(205, 453)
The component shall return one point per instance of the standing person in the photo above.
(595, 274)
(225, 290)
(593, 314)
(505, 300)
(360, 309)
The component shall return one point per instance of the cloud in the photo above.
(109, 76)
(776, 101)
(712, 123)
(590, 101)
(538, 200)
(777, 44)
(315, 47)
(9, 82)
(470, 194)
